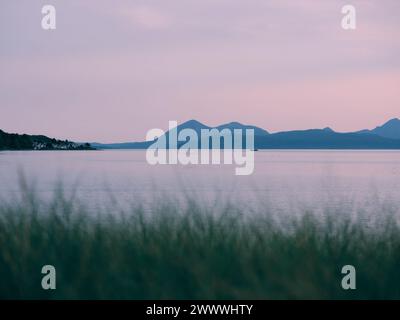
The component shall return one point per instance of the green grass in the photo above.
(190, 252)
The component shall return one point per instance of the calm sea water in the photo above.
(287, 181)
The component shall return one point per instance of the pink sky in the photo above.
(115, 69)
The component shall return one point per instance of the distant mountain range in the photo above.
(386, 136)
(13, 141)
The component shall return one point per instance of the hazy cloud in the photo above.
(146, 17)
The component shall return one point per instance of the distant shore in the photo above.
(24, 142)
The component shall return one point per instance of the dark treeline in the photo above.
(13, 141)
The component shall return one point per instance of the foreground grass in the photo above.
(191, 253)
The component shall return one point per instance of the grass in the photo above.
(189, 252)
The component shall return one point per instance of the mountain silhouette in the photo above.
(390, 129)
(324, 139)
(386, 136)
(191, 124)
(198, 126)
(236, 125)
(194, 125)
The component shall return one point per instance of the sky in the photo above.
(112, 70)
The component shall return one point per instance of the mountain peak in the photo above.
(237, 125)
(393, 121)
(193, 122)
(390, 129)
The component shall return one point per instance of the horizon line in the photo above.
(202, 123)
